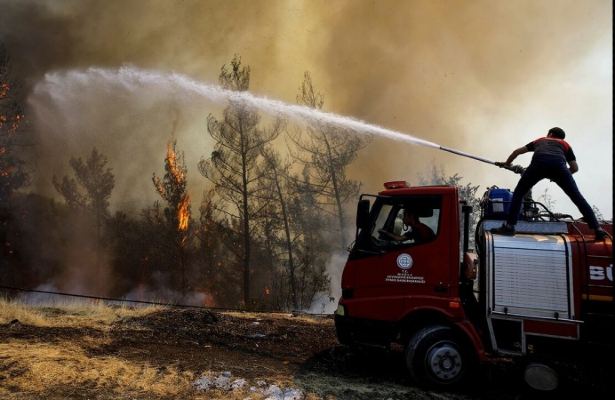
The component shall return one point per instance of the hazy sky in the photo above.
(484, 77)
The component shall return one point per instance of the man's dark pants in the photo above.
(557, 172)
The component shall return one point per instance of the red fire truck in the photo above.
(539, 296)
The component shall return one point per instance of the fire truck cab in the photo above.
(546, 289)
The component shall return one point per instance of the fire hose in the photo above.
(517, 169)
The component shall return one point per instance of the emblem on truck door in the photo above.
(404, 261)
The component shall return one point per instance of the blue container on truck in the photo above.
(498, 203)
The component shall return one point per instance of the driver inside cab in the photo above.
(416, 230)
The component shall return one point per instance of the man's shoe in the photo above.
(601, 235)
(505, 229)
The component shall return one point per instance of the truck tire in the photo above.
(343, 335)
(436, 358)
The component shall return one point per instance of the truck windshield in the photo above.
(403, 221)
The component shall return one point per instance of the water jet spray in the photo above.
(58, 84)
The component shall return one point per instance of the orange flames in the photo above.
(174, 186)
(9, 124)
(14, 120)
(183, 213)
(177, 172)
(5, 173)
(208, 300)
(4, 90)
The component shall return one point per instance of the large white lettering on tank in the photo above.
(598, 273)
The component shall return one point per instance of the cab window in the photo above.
(407, 221)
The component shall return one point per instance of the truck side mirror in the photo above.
(363, 214)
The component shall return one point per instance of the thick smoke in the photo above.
(484, 77)
(468, 75)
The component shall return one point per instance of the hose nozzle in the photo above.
(517, 169)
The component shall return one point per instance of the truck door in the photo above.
(408, 261)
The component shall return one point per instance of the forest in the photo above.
(271, 220)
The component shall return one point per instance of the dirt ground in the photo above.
(162, 353)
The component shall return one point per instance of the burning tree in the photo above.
(172, 188)
(12, 173)
(329, 151)
(232, 167)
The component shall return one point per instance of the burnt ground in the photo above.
(298, 351)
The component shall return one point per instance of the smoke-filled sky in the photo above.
(484, 77)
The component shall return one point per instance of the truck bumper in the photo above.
(359, 331)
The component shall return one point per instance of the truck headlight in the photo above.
(341, 310)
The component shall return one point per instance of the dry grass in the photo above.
(54, 366)
(69, 313)
(57, 368)
(64, 370)
(10, 311)
(45, 368)
(310, 319)
(68, 368)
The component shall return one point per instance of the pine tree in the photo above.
(172, 188)
(233, 165)
(327, 151)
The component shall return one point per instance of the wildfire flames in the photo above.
(183, 213)
(179, 175)
(208, 300)
(9, 123)
(173, 187)
(14, 120)
(177, 172)
(4, 90)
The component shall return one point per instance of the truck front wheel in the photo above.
(435, 357)
(342, 332)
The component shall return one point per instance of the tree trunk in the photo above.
(182, 265)
(336, 193)
(98, 241)
(246, 223)
(246, 255)
(289, 247)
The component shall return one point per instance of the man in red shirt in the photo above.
(551, 154)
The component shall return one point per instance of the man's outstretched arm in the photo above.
(514, 154)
